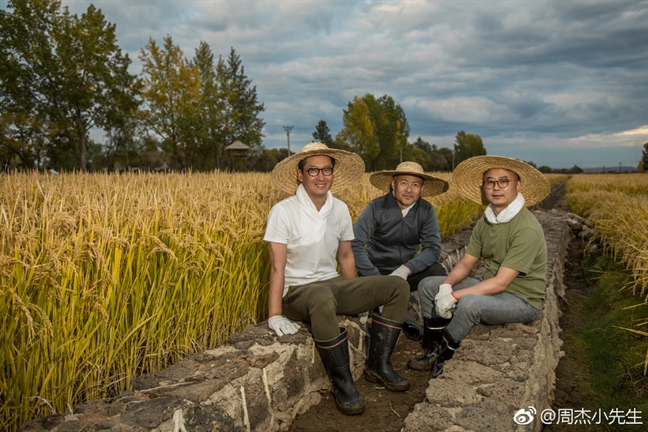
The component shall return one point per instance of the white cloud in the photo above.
(640, 131)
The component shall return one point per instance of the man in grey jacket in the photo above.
(398, 233)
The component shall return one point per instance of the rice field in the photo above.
(617, 204)
(105, 277)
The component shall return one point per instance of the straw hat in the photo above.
(348, 167)
(433, 185)
(468, 177)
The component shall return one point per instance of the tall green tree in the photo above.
(358, 130)
(644, 157)
(172, 99)
(448, 155)
(467, 146)
(393, 131)
(323, 133)
(241, 108)
(212, 109)
(376, 129)
(65, 70)
(25, 139)
(428, 156)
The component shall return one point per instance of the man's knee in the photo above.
(429, 287)
(321, 300)
(402, 287)
(471, 306)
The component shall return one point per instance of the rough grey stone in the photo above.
(151, 413)
(468, 372)
(257, 406)
(428, 418)
(198, 418)
(487, 416)
(460, 394)
(179, 371)
(293, 376)
(505, 391)
(144, 382)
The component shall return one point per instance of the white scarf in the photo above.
(508, 213)
(315, 220)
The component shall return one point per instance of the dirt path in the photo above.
(571, 375)
(384, 410)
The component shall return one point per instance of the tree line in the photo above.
(63, 76)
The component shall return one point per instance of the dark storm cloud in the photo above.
(541, 80)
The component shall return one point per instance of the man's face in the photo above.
(500, 196)
(407, 189)
(318, 186)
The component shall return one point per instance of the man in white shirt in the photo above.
(305, 233)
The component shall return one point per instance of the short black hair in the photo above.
(303, 162)
(414, 175)
(507, 169)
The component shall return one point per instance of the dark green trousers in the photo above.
(320, 302)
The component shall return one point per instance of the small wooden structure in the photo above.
(237, 152)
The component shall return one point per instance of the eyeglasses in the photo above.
(314, 172)
(502, 183)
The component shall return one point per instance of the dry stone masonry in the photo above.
(258, 382)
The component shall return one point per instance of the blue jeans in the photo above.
(473, 309)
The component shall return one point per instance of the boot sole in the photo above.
(349, 410)
(418, 365)
(375, 378)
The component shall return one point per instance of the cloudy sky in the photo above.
(554, 82)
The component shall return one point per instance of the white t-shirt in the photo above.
(312, 237)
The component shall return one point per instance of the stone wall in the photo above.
(499, 370)
(258, 382)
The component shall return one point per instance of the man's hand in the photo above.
(282, 325)
(401, 272)
(445, 301)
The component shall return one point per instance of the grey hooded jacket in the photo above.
(384, 239)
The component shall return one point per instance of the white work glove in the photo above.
(282, 325)
(401, 272)
(445, 301)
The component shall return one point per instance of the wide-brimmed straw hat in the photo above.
(348, 167)
(468, 177)
(433, 185)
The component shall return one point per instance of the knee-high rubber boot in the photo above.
(446, 351)
(432, 337)
(383, 337)
(335, 356)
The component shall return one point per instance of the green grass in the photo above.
(613, 356)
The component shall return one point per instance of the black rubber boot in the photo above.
(446, 351)
(383, 337)
(412, 330)
(432, 337)
(335, 356)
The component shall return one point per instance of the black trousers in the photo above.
(413, 280)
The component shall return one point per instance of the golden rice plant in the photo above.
(556, 178)
(618, 206)
(105, 277)
(629, 184)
